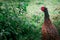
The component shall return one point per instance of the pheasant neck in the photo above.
(46, 17)
(46, 14)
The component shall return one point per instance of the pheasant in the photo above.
(49, 31)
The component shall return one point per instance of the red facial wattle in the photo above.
(42, 8)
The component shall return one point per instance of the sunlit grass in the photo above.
(30, 18)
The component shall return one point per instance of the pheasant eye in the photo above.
(42, 8)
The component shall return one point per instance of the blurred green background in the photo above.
(23, 19)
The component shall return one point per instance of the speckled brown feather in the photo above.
(49, 31)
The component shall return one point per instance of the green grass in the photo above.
(25, 19)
